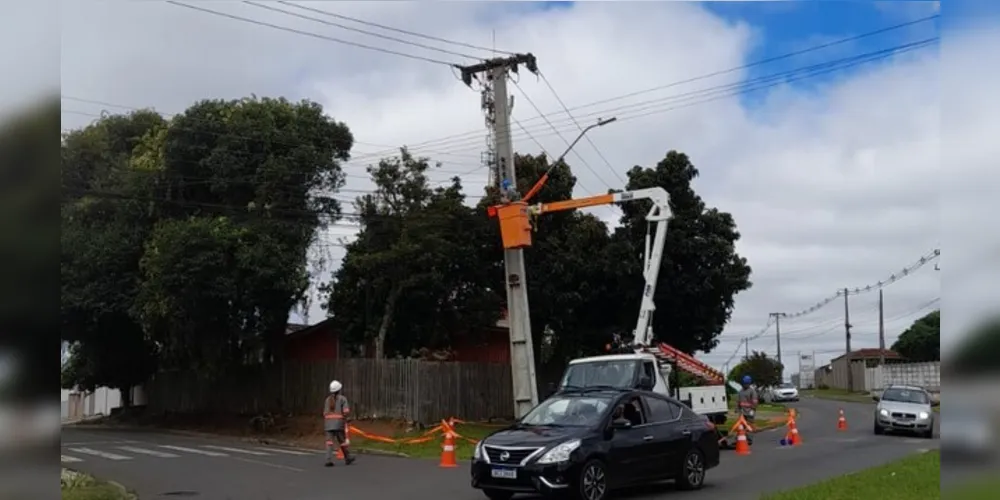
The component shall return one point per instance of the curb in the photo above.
(245, 439)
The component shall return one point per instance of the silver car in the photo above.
(905, 408)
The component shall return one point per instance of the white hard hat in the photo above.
(335, 386)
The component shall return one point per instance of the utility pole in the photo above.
(746, 348)
(847, 337)
(493, 73)
(881, 330)
(777, 334)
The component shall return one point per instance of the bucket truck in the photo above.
(640, 363)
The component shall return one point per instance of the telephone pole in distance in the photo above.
(522, 356)
(777, 335)
(847, 338)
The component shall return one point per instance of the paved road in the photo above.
(164, 465)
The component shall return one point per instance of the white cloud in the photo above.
(832, 187)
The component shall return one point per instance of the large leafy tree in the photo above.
(245, 185)
(922, 340)
(102, 241)
(976, 354)
(763, 370)
(414, 276)
(701, 272)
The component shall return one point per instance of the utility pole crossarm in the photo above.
(509, 63)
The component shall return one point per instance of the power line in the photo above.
(397, 30)
(580, 127)
(311, 34)
(356, 30)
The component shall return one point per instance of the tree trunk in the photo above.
(383, 327)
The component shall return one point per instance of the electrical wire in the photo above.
(356, 30)
(397, 30)
(310, 34)
(580, 127)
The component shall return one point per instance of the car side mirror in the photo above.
(645, 383)
(621, 424)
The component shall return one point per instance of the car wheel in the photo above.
(879, 430)
(593, 484)
(692, 474)
(498, 494)
(928, 435)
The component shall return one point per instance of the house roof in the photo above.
(872, 353)
(296, 330)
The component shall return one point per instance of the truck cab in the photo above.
(642, 370)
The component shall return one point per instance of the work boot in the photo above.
(328, 464)
(348, 460)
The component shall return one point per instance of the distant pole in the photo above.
(847, 338)
(881, 330)
(777, 334)
(746, 348)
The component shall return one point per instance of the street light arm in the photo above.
(545, 177)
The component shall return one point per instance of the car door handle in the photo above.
(647, 438)
(686, 432)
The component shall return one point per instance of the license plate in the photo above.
(504, 473)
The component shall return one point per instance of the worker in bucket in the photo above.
(336, 410)
(747, 400)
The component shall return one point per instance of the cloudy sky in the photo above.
(832, 173)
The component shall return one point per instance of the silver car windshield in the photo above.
(905, 396)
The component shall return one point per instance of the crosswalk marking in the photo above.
(236, 450)
(98, 453)
(289, 452)
(193, 450)
(143, 451)
(68, 459)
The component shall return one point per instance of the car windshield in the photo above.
(568, 411)
(787, 386)
(617, 373)
(905, 396)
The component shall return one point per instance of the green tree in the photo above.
(922, 340)
(976, 354)
(765, 371)
(701, 272)
(414, 277)
(102, 241)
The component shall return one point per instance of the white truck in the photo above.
(650, 364)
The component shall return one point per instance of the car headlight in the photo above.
(478, 453)
(924, 415)
(883, 412)
(560, 453)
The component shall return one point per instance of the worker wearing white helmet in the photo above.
(336, 410)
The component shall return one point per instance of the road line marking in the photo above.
(276, 466)
(193, 450)
(290, 452)
(69, 459)
(236, 450)
(144, 451)
(102, 454)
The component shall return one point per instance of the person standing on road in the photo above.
(336, 410)
(747, 400)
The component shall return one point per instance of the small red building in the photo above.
(320, 342)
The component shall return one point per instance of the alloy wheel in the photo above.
(694, 468)
(594, 482)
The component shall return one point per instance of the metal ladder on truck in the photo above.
(687, 363)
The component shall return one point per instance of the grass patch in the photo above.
(913, 477)
(77, 486)
(431, 448)
(976, 490)
(839, 395)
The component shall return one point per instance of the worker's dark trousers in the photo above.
(334, 440)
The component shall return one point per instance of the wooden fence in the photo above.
(414, 390)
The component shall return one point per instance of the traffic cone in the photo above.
(841, 422)
(448, 450)
(742, 446)
(793, 433)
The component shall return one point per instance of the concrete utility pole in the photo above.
(847, 337)
(746, 348)
(777, 335)
(881, 330)
(522, 356)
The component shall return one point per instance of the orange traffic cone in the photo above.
(841, 422)
(793, 437)
(448, 450)
(742, 446)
